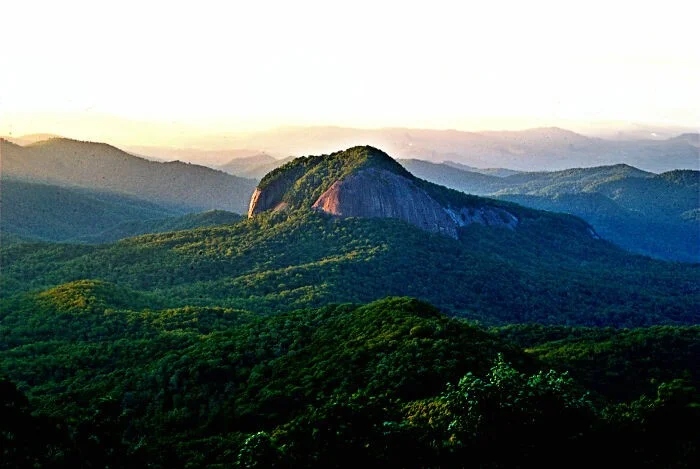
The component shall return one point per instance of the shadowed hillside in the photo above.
(106, 168)
(35, 211)
(646, 213)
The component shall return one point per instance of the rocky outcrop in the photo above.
(489, 216)
(268, 198)
(380, 193)
(366, 182)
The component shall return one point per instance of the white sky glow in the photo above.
(255, 64)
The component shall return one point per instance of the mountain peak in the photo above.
(366, 182)
(301, 182)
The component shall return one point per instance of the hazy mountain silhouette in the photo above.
(539, 149)
(254, 166)
(647, 213)
(107, 168)
(37, 211)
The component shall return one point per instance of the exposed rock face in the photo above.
(365, 182)
(268, 198)
(379, 193)
(489, 216)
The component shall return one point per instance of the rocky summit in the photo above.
(366, 182)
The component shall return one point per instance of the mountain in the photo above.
(455, 176)
(366, 182)
(355, 226)
(43, 212)
(55, 213)
(30, 138)
(254, 166)
(691, 138)
(99, 166)
(501, 172)
(213, 158)
(538, 149)
(647, 213)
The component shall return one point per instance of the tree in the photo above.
(509, 419)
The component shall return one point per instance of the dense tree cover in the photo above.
(550, 270)
(394, 382)
(255, 344)
(43, 212)
(300, 182)
(621, 363)
(646, 213)
(53, 213)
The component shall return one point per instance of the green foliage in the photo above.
(549, 270)
(42, 212)
(259, 344)
(302, 181)
(660, 430)
(621, 364)
(513, 410)
(640, 211)
(394, 382)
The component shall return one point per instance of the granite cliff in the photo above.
(366, 182)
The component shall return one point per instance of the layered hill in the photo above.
(646, 213)
(176, 185)
(253, 166)
(537, 149)
(323, 229)
(339, 386)
(237, 344)
(32, 211)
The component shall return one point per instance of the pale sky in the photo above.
(70, 66)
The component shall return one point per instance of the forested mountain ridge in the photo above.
(99, 166)
(366, 182)
(525, 266)
(646, 213)
(32, 211)
(393, 381)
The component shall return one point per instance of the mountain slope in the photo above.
(366, 182)
(55, 213)
(34, 211)
(538, 149)
(646, 213)
(254, 166)
(106, 168)
(548, 268)
(339, 386)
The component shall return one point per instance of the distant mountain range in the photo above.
(32, 211)
(539, 149)
(254, 166)
(175, 185)
(650, 214)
